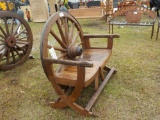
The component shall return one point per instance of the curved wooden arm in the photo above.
(69, 62)
(109, 36)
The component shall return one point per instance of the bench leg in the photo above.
(101, 73)
(65, 100)
(96, 82)
(76, 107)
(157, 31)
(152, 31)
(60, 104)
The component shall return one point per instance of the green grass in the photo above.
(132, 93)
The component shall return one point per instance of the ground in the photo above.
(132, 93)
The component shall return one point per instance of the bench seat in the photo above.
(96, 56)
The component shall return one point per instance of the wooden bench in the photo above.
(133, 16)
(71, 62)
(96, 12)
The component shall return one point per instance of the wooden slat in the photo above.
(97, 93)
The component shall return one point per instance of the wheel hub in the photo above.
(74, 51)
(11, 41)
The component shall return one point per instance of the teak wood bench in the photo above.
(71, 62)
(134, 16)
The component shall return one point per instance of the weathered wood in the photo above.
(69, 62)
(97, 93)
(16, 40)
(78, 63)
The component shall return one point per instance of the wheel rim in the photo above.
(15, 40)
(62, 40)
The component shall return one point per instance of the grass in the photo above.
(132, 93)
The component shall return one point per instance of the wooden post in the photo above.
(39, 10)
(109, 9)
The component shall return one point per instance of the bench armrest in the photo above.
(69, 62)
(109, 36)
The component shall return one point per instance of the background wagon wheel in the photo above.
(61, 40)
(15, 40)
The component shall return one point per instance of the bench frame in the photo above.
(68, 94)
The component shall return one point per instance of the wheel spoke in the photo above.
(2, 36)
(22, 42)
(15, 32)
(75, 37)
(1, 48)
(62, 56)
(8, 55)
(12, 24)
(3, 31)
(61, 32)
(20, 48)
(20, 33)
(60, 49)
(56, 48)
(12, 51)
(22, 38)
(2, 52)
(1, 44)
(66, 30)
(2, 55)
(79, 44)
(6, 25)
(58, 39)
(71, 32)
(2, 40)
(17, 52)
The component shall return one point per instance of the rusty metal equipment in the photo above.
(16, 40)
(71, 62)
(133, 15)
(126, 3)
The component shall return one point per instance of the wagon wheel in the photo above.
(62, 40)
(15, 40)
